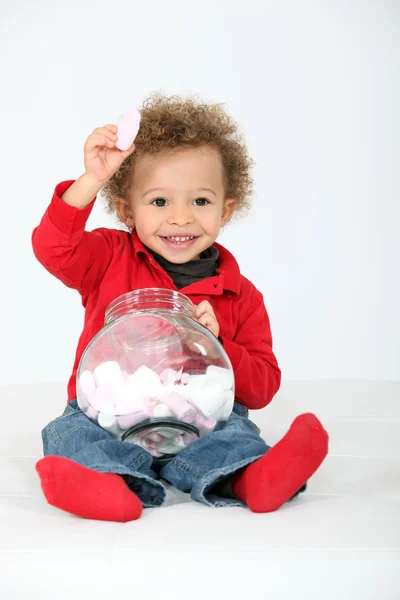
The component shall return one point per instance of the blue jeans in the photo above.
(198, 469)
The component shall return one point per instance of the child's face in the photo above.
(177, 195)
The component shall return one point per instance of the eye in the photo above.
(201, 201)
(159, 202)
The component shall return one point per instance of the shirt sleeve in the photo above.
(77, 257)
(257, 374)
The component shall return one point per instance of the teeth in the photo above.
(180, 239)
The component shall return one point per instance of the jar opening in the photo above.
(154, 299)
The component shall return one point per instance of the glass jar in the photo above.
(154, 376)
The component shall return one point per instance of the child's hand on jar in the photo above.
(206, 316)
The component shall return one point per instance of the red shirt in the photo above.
(105, 263)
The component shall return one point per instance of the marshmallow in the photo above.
(91, 413)
(107, 416)
(167, 433)
(225, 411)
(196, 381)
(181, 409)
(154, 437)
(101, 398)
(130, 409)
(108, 374)
(173, 448)
(82, 402)
(204, 425)
(209, 399)
(107, 420)
(154, 452)
(87, 384)
(161, 410)
(188, 438)
(127, 421)
(147, 380)
(128, 128)
(224, 377)
(185, 378)
(169, 377)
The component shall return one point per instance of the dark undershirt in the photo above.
(196, 270)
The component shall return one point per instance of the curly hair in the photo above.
(174, 123)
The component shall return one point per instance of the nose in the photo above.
(181, 216)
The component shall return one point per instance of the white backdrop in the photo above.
(316, 88)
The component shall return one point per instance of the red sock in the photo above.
(87, 493)
(273, 479)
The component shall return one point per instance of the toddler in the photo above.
(186, 175)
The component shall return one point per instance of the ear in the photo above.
(125, 213)
(228, 210)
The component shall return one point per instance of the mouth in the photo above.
(180, 241)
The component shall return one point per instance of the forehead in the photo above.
(189, 167)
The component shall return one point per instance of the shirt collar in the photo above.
(228, 269)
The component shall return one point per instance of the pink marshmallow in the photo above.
(154, 437)
(185, 378)
(132, 410)
(87, 384)
(204, 425)
(127, 421)
(169, 377)
(92, 414)
(128, 128)
(181, 409)
(101, 398)
(188, 438)
(155, 453)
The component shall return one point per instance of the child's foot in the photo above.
(87, 493)
(273, 479)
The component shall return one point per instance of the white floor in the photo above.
(341, 539)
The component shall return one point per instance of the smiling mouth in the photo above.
(179, 240)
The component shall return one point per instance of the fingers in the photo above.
(206, 317)
(102, 136)
(203, 308)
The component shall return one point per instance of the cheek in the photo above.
(211, 222)
(146, 221)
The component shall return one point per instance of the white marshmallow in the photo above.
(108, 374)
(129, 399)
(161, 410)
(209, 399)
(108, 421)
(87, 384)
(107, 416)
(196, 381)
(147, 380)
(101, 398)
(223, 377)
(226, 410)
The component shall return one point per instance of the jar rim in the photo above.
(136, 300)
